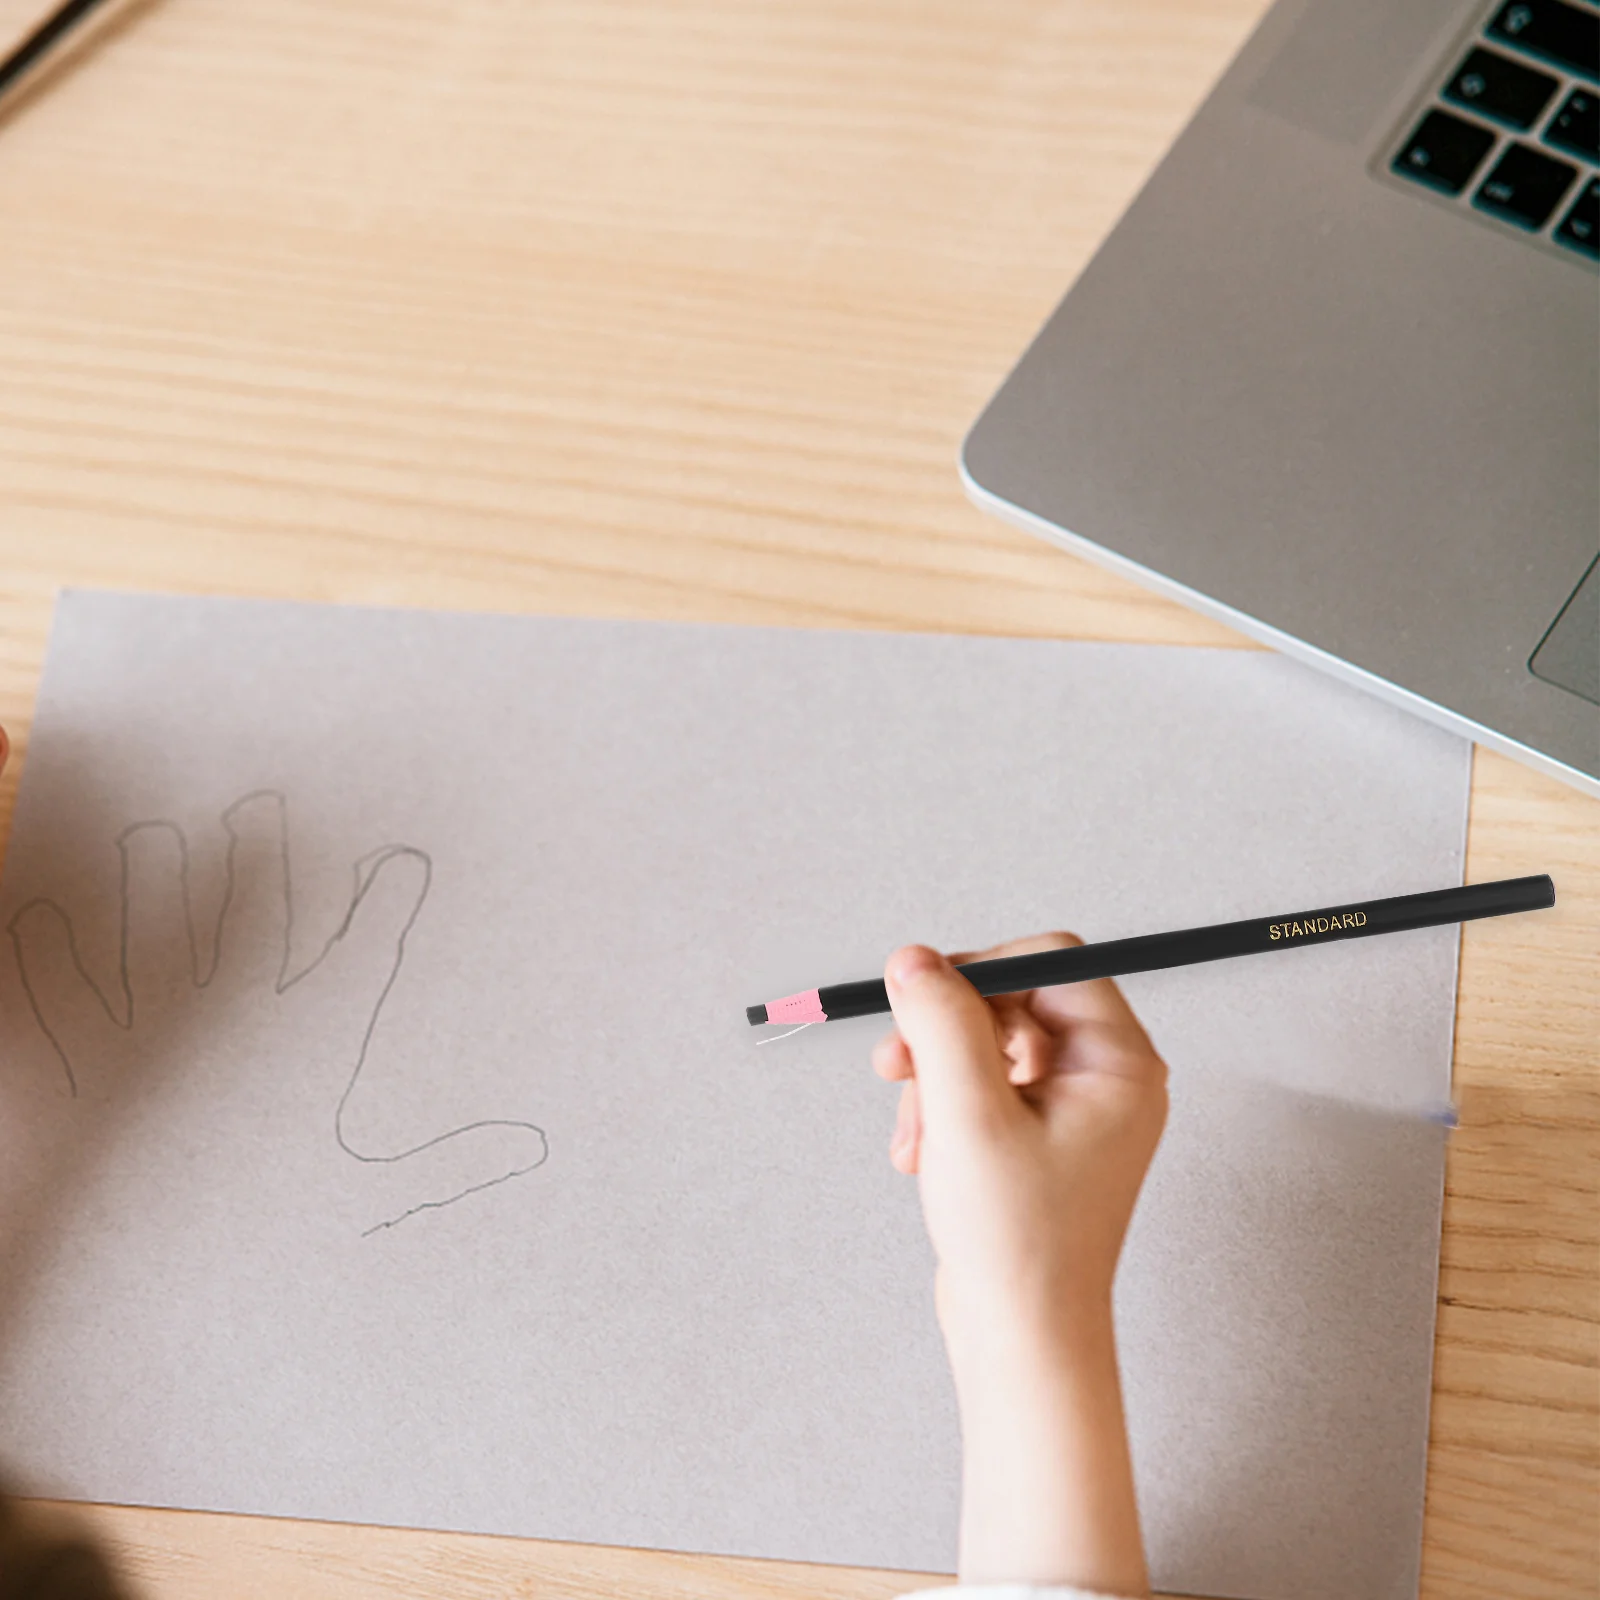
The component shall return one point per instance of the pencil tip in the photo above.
(755, 1015)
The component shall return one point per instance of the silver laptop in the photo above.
(1335, 377)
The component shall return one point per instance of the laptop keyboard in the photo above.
(1512, 128)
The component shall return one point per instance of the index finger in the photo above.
(1094, 1000)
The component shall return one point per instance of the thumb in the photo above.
(66, 1003)
(961, 1073)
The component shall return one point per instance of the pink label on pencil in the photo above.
(805, 1007)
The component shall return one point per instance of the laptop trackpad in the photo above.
(1569, 654)
(1345, 59)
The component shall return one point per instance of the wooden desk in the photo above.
(679, 310)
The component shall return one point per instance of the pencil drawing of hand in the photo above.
(227, 1017)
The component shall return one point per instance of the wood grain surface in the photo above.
(679, 310)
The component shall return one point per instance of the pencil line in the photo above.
(365, 873)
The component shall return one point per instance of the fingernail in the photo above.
(915, 961)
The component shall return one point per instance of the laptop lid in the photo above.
(1353, 416)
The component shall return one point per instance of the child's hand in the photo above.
(1030, 1122)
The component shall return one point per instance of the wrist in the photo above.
(1047, 1492)
(1019, 1387)
(989, 1333)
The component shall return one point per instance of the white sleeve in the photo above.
(1006, 1591)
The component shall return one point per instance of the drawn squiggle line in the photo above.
(365, 873)
(475, 1188)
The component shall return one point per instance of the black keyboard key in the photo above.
(1443, 151)
(1580, 228)
(1525, 186)
(1568, 35)
(1505, 90)
(1576, 126)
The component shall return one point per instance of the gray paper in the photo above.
(638, 1281)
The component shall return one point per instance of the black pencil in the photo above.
(1151, 952)
(54, 30)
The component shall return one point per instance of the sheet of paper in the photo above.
(638, 1281)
